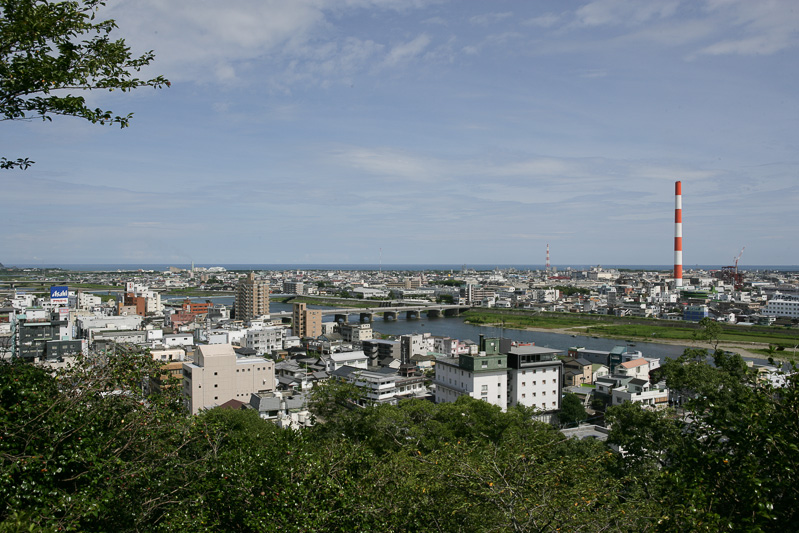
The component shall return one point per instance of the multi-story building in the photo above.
(695, 313)
(252, 298)
(639, 390)
(306, 322)
(293, 287)
(523, 375)
(195, 308)
(379, 350)
(415, 344)
(637, 368)
(85, 300)
(483, 376)
(535, 377)
(217, 375)
(577, 371)
(43, 336)
(782, 305)
(265, 340)
(356, 332)
(171, 368)
(377, 385)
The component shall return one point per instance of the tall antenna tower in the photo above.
(548, 267)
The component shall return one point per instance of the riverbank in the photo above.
(746, 350)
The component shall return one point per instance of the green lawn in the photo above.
(630, 328)
(654, 332)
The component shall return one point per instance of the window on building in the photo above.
(485, 387)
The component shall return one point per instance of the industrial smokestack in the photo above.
(678, 234)
(547, 258)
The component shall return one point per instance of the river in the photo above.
(456, 328)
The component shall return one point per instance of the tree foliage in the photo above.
(84, 449)
(728, 459)
(572, 411)
(48, 49)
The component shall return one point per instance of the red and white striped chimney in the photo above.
(547, 257)
(678, 234)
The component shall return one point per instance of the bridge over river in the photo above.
(367, 314)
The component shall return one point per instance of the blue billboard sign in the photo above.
(59, 295)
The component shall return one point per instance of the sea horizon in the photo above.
(127, 267)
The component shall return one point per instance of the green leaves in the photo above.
(48, 49)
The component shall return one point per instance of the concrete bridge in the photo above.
(367, 314)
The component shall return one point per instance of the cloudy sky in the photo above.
(457, 132)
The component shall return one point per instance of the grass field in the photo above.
(527, 321)
(621, 327)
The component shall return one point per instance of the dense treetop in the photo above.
(85, 450)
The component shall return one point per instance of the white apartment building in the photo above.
(535, 377)
(525, 375)
(377, 386)
(265, 340)
(782, 305)
(483, 377)
(217, 376)
(84, 300)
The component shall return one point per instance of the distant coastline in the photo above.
(99, 267)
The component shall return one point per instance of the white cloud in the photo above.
(406, 51)
(208, 41)
(624, 12)
(766, 26)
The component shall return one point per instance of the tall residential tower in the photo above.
(252, 298)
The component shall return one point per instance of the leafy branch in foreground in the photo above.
(50, 48)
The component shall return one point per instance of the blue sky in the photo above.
(476, 132)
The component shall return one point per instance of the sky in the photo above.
(425, 131)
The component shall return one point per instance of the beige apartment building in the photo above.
(252, 298)
(306, 322)
(217, 375)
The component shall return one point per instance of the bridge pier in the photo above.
(341, 319)
(411, 315)
(366, 318)
(452, 312)
(390, 315)
(433, 313)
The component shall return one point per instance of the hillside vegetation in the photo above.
(84, 450)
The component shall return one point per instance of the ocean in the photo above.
(392, 267)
